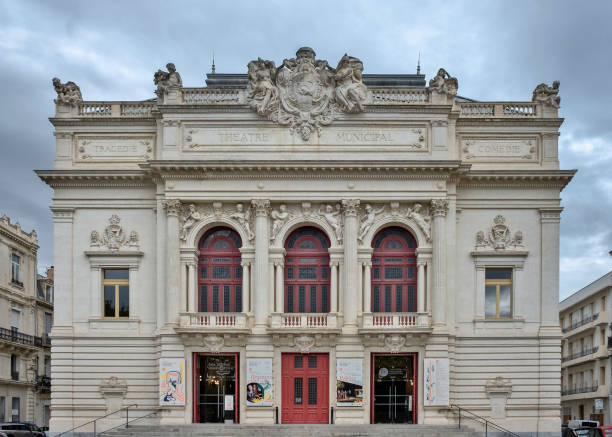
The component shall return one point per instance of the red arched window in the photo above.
(307, 272)
(394, 271)
(220, 272)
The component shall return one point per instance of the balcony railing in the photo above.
(304, 320)
(583, 389)
(396, 320)
(14, 375)
(13, 335)
(583, 353)
(43, 384)
(214, 320)
(582, 322)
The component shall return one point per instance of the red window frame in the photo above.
(307, 273)
(220, 271)
(394, 272)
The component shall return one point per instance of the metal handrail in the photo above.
(580, 323)
(127, 423)
(98, 418)
(487, 422)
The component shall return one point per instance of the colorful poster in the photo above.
(171, 381)
(349, 382)
(436, 382)
(259, 382)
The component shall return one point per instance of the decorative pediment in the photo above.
(114, 237)
(499, 236)
(305, 93)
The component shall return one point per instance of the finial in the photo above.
(419, 64)
(213, 64)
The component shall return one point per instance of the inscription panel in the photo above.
(198, 138)
(499, 149)
(113, 148)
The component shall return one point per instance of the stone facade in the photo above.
(476, 186)
(585, 349)
(26, 308)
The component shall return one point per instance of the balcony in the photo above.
(14, 375)
(20, 339)
(580, 354)
(585, 324)
(43, 384)
(396, 323)
(213, 322)
(587, 391)
(299, 322)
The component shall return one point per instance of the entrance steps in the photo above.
(196, 430)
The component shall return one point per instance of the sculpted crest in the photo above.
(305, 93)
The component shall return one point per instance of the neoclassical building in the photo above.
(301, 243)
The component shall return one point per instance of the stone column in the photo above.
(246, 286)
(420, 287)
(351, 270)
(334, 286)
(271, 289)
(367, 287)
(191, 288)
(172, 208)
(183, 288)
(439, 208)
(261, 273)
(280, 287)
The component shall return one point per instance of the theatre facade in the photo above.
(301, 244)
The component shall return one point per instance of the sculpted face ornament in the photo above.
(305, 93)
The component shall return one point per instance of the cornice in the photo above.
(513, 178)
(95, 178)
(21, 241)
(509, 122)
(104, 121)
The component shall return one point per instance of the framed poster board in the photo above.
(436, 382)
(259, 382)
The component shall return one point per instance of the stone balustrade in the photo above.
(115, 109)
(304, 320)
(211, 96)
(391, 321)
(498, 109)
(398, 96)
(214, 320)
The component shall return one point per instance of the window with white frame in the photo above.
(116, 293)
(15, 316)
(498, 293)
(16, 267)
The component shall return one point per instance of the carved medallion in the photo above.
(394, 343)
(214, 343)
(114, 236)
(304, 343)
(499, 237)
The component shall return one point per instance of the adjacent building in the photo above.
(26, 317)
(586, 373)
(303, 241)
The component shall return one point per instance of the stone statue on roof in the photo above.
(167, 79)
(68, 93)
(444, 83)
(547, 95)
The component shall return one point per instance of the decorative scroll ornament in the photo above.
(394, 343)
(68, 93)
(166, 80)
(304, 343)
(214, 343)
(547, 95)
(113, 236)
(305, 93)
(444, 83)
(499, 237)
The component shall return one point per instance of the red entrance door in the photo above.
(305, 388)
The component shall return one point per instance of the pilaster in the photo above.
(439, 208)
(351, 269)
(261, 273)
(172, 208)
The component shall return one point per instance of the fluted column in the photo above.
(261, 273)
(172, 208)
(191, 288)
(351, 269)
(246, 286)
(439, 208)
(334, 286)
(367, 287)
(421, 287)
(278, 265)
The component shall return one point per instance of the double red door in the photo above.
(305, 388)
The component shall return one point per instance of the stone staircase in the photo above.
(196, 430)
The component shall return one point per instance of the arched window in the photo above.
(394, 281)
(307, 272)
(220, 272)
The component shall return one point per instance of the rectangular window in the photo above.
(2, 408)
(602, 375)
(238, 291)
(289, 298)
(410, 272)
(312, 361)
(410, 299)
(47, 366)
(238, 272)
(226, 298)
(297, 391)
(289, 272)
(16, 264)
(324, 272)
(15, 316)
(215, 298)
(48, 323)
(376, 303)
(14, 367)
(313, 298)
(324, 298)
(221, 272)
(393, 273)
(387, 298)
(376, 273)
(301, 299)
(16, 410)
(204, 272)
(498, 293)
(307, 273)
(312, 391)
(298, 361)
(116, 292)
(204, 298)
(398, 299)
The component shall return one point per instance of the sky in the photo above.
(497, 50)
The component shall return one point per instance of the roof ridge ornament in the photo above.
(305, 93)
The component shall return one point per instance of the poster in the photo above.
(436, 382)
(349, 382)
(171, 381)
(259, 382)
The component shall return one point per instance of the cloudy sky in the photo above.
(497, 50)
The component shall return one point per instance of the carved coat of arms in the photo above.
(305, 93)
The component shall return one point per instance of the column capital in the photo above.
(421, 263)
(439, 207)
(334, 263)
(245, 263)
(367, 263)
(261, 207)
(172, 207)
(350, 207)
(279, 263)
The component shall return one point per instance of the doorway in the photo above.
(394, 388)
(305, 388)
(215, 388)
